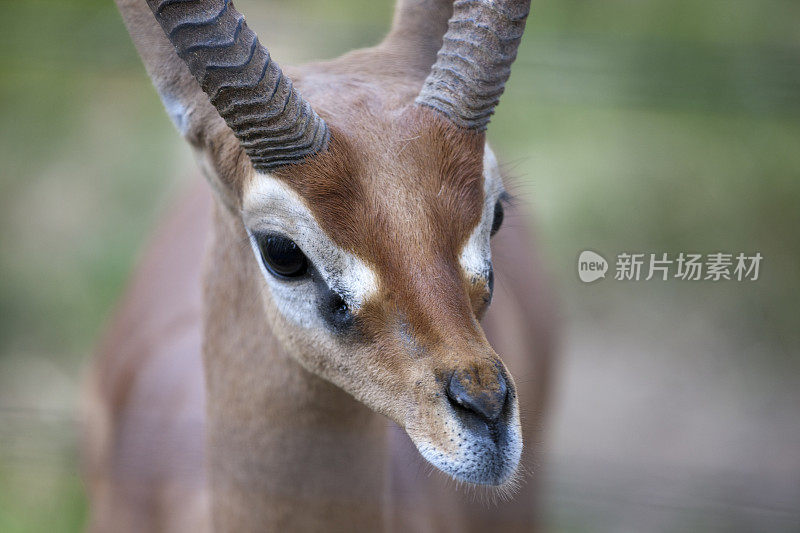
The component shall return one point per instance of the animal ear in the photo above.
(475, 60)
(220, 156)
(186, 104)
(221, 88)
(416, 35)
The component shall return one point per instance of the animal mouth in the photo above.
(473, 450)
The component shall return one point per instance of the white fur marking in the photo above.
(177, 111)
(476, 459)
(476, 256)
(271, 206)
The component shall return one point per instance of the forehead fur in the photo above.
(404, 194)
(411, 178)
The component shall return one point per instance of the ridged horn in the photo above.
(274, 124)
(473, 65)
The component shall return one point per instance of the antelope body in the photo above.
(300, 349)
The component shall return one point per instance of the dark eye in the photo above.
(498, 217)
(282, 257)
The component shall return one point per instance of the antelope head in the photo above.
(369, 203)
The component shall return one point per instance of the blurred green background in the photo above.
(628, 125)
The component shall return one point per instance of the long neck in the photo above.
(279, 438)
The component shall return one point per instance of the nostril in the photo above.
(485, 400)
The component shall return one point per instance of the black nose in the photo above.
(483, 395)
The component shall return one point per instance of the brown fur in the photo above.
(293, 446)
(373, 476)
(422, 192)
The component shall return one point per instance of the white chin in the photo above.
(478, 458)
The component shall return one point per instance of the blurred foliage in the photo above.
(640, 125)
